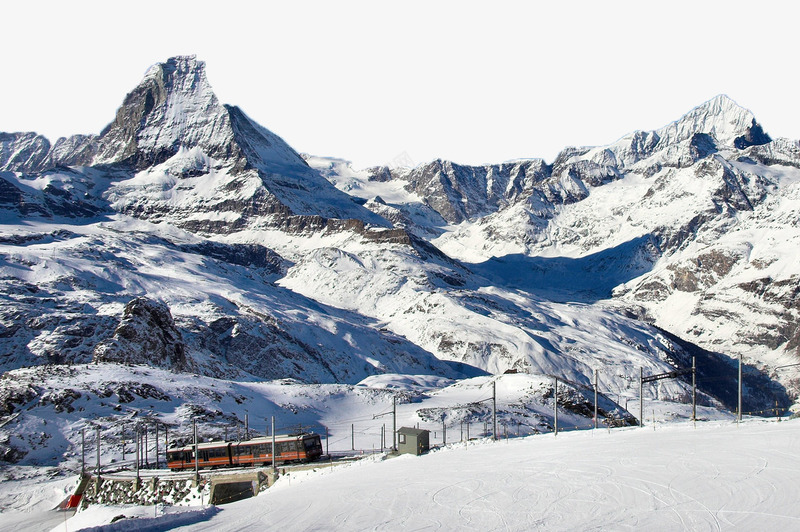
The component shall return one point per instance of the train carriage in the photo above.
(257, 451)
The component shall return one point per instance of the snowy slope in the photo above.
(721, 478)
(65, 290)
(715, 476)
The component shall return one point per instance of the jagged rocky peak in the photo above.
(462, 192)
(172, 106)
(724, 120)
(145, 335)
(23, 152)
(717, 124)
(175, 107)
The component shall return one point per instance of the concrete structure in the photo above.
(413, 441)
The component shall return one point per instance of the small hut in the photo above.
(413, 441)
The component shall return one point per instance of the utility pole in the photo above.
(146, 453)
(444, 431)
(641, 397)
(494, 410)
(196, 453)
(98, 451)
(394, 423)
(246, 427)
(83, 451)
(739, 411)
(273, 441)
(156, 444)
(352, 437)
(555, 407)
(326, 442)
(694, 391)
(595, 399)
(137, 451)
(122, 437)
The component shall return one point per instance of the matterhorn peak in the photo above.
(728, 123)
(173, 106)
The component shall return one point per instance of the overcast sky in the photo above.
(372, 81)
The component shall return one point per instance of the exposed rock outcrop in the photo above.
(146, 335)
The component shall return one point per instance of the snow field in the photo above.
(717, 476)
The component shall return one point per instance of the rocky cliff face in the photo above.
(146, 335)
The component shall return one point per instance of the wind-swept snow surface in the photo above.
(714, 477)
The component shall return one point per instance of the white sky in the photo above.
(368, 81)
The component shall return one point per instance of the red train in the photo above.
(258, 451)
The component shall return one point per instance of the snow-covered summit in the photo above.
(722, 119)
(247, 176)
(174, 106)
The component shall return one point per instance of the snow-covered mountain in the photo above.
(174, 153)
(692, 226)
(187, 238)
